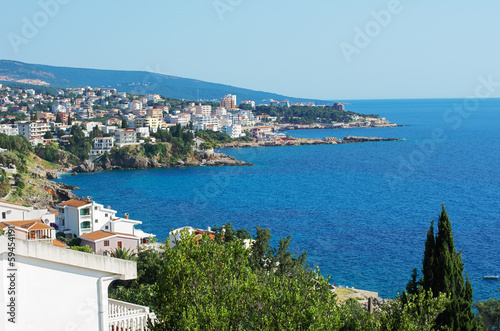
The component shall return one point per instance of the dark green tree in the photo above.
(69, 120)
(58, 118)
(124, 124)
(490, 313)
(443, 273)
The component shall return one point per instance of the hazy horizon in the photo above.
(318, 50)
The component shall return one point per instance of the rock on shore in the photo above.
(208, 158)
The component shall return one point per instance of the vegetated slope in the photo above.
(135, 82)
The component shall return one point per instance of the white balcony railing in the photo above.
(127, 316)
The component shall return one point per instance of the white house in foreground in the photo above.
(15, 212)
(60, 289)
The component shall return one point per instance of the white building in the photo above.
(203, 110)
(9, 129)
(101, 145)
(234, 131)
(135, 105)
(58, 108)
(77, 217)
(44, 274)
(175, 235)
(15, 212)
(221, 111)
(142, 132)
(32, 130)
(147, 122)
(248, 102)
(125, 137)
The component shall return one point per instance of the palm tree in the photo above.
(123, 253)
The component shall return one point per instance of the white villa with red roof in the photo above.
(94, 224)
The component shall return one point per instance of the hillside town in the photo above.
(126, 119)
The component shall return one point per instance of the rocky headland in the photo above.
(207, 158)
(304, 141)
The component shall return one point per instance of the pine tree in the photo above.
(58, 118)
(443, 273)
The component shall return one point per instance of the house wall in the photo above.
(16, 213)
(52, 291)
(127, 243)
(122, 227)
(71, 216)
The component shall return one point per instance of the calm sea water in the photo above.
(361, 211)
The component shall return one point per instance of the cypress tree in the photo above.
(442, 270)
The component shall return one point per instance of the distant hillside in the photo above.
(136, 82)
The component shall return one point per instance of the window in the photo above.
(106, 242)
(119, 244)
(96, 221)
(106, 227)
(95, 208)
(105, 215)
(85, 225)
(84, 212)
(4, 215)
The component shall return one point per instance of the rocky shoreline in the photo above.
(306, 141)
(207, 158)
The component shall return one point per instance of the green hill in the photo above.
(135, 82)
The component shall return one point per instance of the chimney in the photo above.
(88, 198)
(209, 229)
(126, 215)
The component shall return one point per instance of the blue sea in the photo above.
(361, 211)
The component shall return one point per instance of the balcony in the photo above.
(127, 316)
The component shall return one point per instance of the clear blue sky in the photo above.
(427, 49)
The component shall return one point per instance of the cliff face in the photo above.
(141, 162)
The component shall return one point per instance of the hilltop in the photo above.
(134, 82)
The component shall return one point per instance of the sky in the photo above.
(318, 49)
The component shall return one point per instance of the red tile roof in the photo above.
(101, 234)
(74, 203)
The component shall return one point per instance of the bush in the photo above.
(85, 249)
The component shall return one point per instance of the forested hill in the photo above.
(134, 82)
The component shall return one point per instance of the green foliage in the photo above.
(206, 284)
(15, 143)
(79, 145)
(307, 115)
(3, 177)
(122, 253)
(15, 158)
(50, 152)
(85, 249)
(443, 273)
(59, 119)
(490, 313)
(48, 135)
(213, 138)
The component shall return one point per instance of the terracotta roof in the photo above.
(101, 234)
(28, 224)
(11, 203)
(74, 203)
(59, 243)
(40, 226)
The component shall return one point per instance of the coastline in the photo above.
(306, 141)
